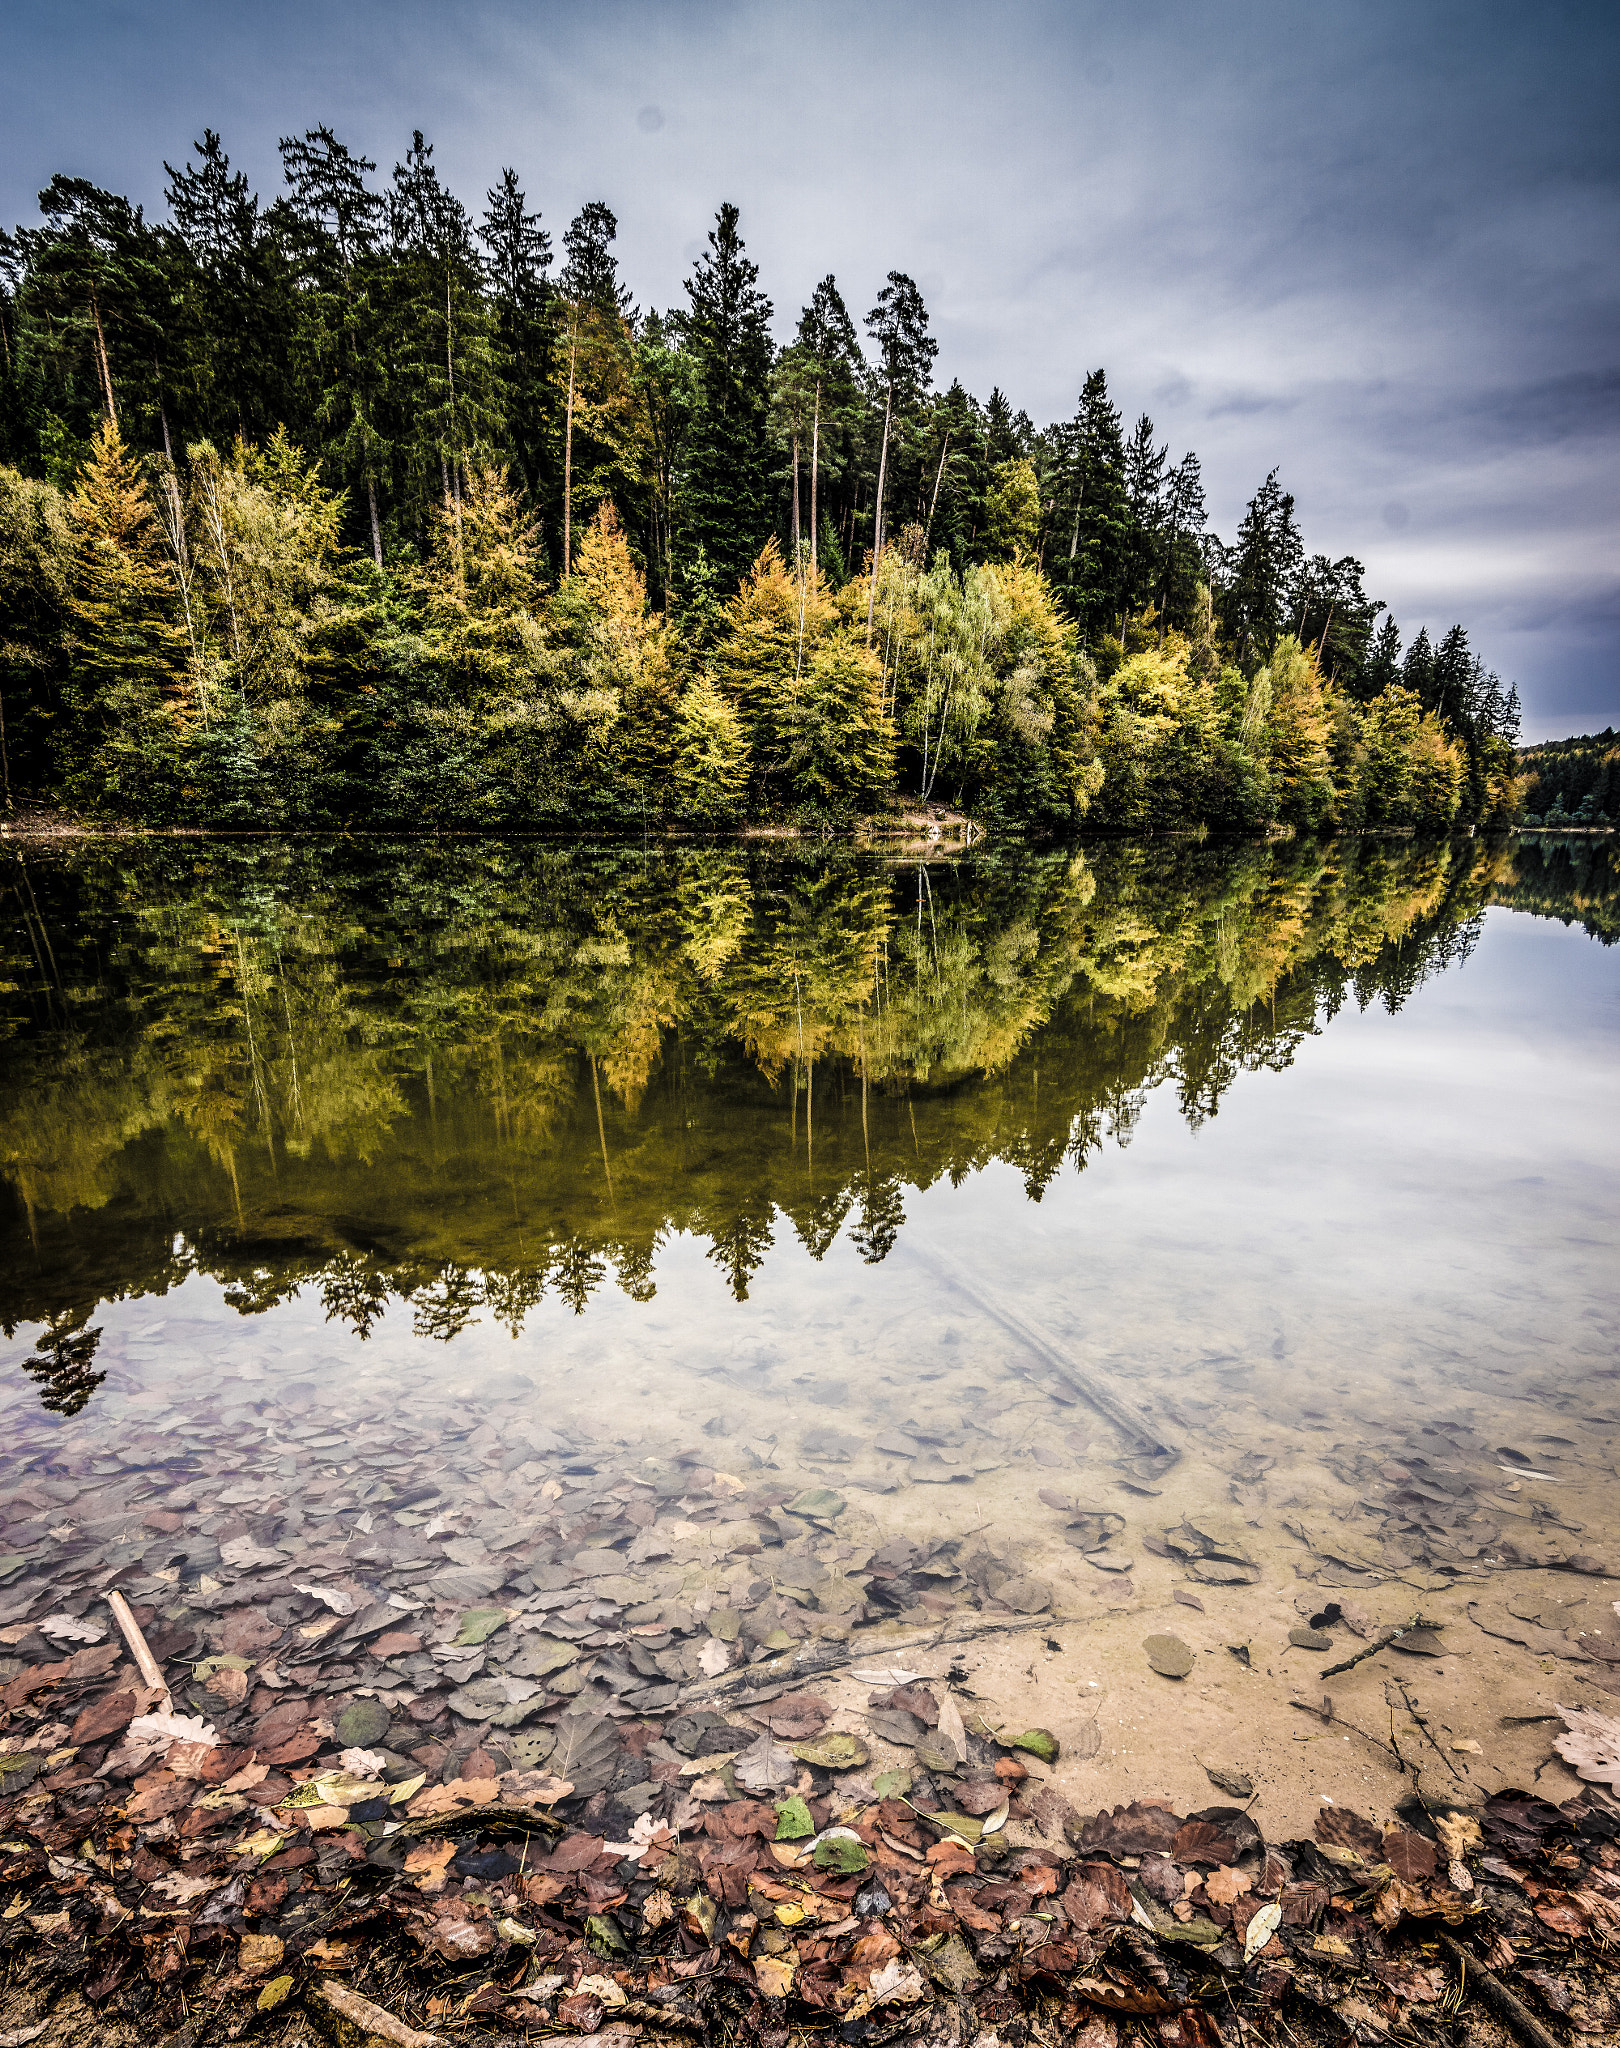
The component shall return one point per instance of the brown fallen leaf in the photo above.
(455, 1797)
(259, 1953)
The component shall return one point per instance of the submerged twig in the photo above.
(1372, 1649)
(757, 1677)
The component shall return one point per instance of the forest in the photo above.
(1574, 781)
(469, 1077)
(355, 506)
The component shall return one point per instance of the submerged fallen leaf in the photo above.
(834, 1751)
(1169, 1656)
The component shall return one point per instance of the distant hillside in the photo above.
(1576, 779)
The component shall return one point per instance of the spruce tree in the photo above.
(336, 223)
(1383, 665)
(1266, 563)
(725, 501)
(516, 264)
(1088, 565)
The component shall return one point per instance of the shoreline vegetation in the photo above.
(349, 508)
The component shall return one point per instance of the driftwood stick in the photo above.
(757, 1678)
(149, 1667)
(1510, 2010)
(369, 2018)
(1084, 1387)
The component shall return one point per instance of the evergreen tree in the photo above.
(447, 398)
(725, 499)
(1090, 572)
(1145, 490)
(1000, 436)
(601, 408)
(516, 264)
(1265, 564)
(1417, 670)
(336, 222)
(1183, 568)
(1382, 670)
(1333, 614)
(238, 377)
(1452, 682)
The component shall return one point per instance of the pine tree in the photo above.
(1452, 682)
(1417, 670)
(725, 500)
(239, 375)
(1145, 495)
(1183, 562)
(898, 323)
(1000, 438)
(447, 397)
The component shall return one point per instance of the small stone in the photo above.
(362, 1724)
(1310, 1639)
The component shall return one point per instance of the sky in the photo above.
(1375, 245)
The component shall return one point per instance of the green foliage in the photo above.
(1574, 781)
(1012, 512)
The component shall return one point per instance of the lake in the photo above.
(1034, 1252)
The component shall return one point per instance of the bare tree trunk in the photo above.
(450, 372)
(939, 477)
(877, 513)
(376, 524)
(106, 372)
(815, 450)
(168, 445)
(795, 494)
(568, 457)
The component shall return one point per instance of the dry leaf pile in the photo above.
(689, 1873)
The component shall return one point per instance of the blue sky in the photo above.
(1373, 244)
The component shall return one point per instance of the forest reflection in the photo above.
(466, 1077)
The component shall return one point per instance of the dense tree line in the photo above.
(1574, 781)
(359, 505)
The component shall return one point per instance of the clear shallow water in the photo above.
(468, 1162)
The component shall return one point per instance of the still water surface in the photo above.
(326, 1170)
